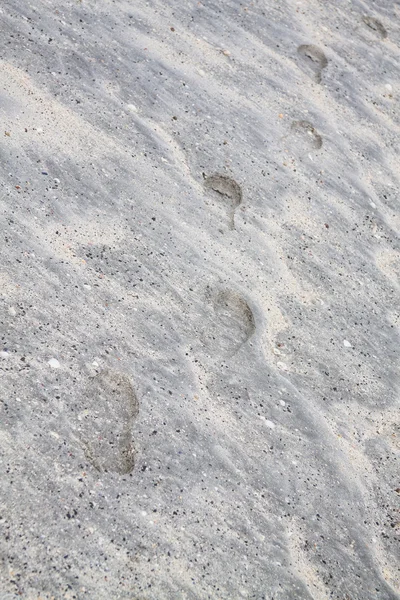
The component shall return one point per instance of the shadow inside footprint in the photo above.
(375, 25)
(306, 134)
(313, 60)
(228, 191)
(111, 407)
(232, 325)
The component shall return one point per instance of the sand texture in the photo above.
(200, 293)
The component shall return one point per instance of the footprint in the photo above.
(375, 25)
(111, 407)
(306, 134)
(313, 61)
(228, 192)
(233, 323)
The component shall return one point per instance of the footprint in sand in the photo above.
(376, 26)
(313, 61)
(232, 324)
(306, 134)
(105, 428)
(227, 191)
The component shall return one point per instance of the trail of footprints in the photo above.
(223, 188)
(110, 402)
(312, 60)
(111, 405)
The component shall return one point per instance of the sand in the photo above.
(200, 281)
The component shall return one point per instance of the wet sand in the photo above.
(200, 300)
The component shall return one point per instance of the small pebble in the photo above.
(270, 424)
(346, 344)
(12, 311)
(53, 362)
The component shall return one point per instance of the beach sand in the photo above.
(200, 281)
